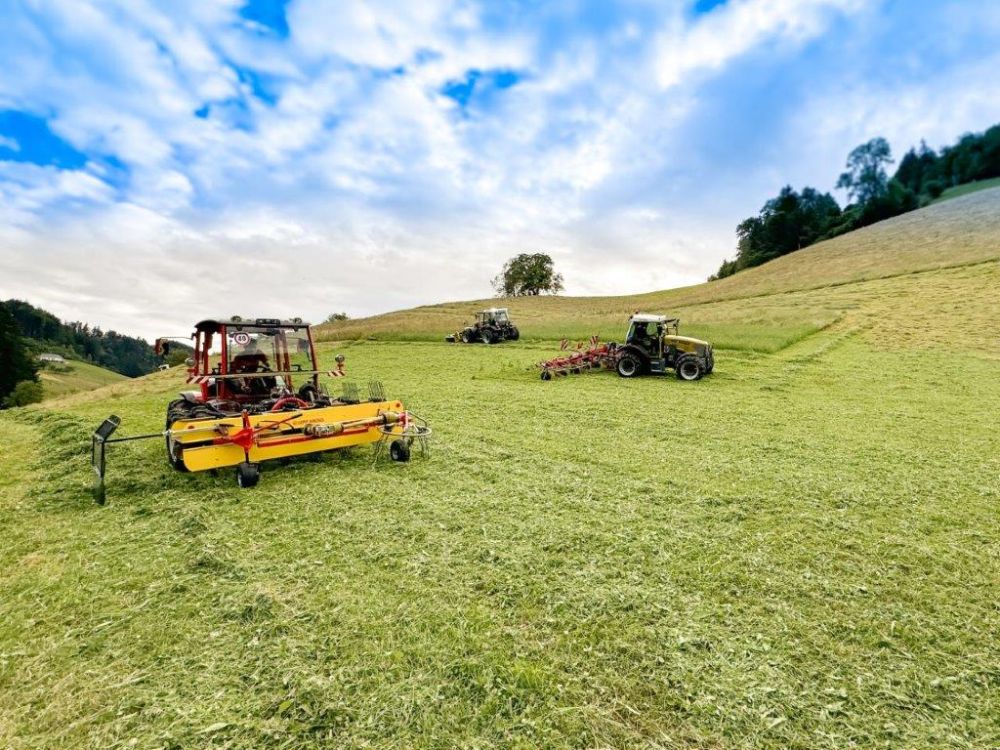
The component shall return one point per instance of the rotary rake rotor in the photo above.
(584, 358)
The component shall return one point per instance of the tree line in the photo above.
(114, 351)
(793, 220)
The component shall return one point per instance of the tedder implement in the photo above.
(260, 398)
(491, 327)
(652, 347)
(596, 356)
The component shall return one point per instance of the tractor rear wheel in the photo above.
(487, 336)
(247, 475)
(628, 365)
(399, 451)
(514, 334)
(689, 368)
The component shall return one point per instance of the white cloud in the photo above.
(737, 27)
(9, 143)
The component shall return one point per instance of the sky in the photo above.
(163, 162)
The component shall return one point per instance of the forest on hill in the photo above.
(793, 220)
(127, 355)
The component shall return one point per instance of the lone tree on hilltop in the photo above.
(528, 275)
(866, 177)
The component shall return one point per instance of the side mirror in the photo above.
(189, 362)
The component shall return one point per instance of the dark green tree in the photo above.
(786, 223)
(916, 167)
(16, 362)
(866, 177)
(528, 275)
(26, 392)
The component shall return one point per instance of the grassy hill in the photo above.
(970, 187)
(799, 551)
(762, 308)
(75, 376)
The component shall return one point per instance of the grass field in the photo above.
(971, 187)
(82, 376)
(800, 551)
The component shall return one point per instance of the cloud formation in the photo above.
(161, 162)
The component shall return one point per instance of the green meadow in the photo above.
(801, 550)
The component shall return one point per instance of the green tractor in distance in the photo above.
(653, 346)
(491, 327)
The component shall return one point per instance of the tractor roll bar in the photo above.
(266, 373)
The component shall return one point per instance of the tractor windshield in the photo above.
(251, 349)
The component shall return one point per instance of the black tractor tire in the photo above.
(466, 336)
(546, 375)
(514, 334)
(177, 460)
(628, 365)
(247, 475)
(399, 451)
(689, 368)
(487, 336)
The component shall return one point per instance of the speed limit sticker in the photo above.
(242, 338)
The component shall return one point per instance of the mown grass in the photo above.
(800, 551)
(81, 376)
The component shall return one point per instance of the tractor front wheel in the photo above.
(487, 336)
(247, 475)
(628, 365)
(466, 337)
(174, 451)
(399, 451)
(689, 368)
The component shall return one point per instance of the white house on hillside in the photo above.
(57, 358)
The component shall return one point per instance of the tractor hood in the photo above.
(686, 340)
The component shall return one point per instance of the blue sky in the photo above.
(164, 161)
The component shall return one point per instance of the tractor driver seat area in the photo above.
(641, 338)
(252, 363)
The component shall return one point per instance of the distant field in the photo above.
(800, 551)
(972, 187)
(82, 376)
(759, 313)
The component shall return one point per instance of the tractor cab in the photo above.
(496, 316)
(647, 332)
(249, 362)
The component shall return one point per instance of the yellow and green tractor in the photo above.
(653, 346)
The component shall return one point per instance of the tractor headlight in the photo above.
(340, 359)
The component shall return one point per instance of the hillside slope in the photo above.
(955, 233)
(75, 376)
